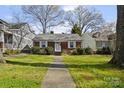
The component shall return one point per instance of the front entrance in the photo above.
(57, 46)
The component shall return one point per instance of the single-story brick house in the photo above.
(59, 42)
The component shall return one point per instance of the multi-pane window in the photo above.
(43, 44)
(71, 44)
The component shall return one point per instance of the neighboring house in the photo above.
(88, 41)
(98, 40)
(11, 33)
(59, 42)
(104, 39)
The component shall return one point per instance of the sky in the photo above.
(108, 11)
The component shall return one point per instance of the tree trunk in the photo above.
(118, 56)
(2, 60)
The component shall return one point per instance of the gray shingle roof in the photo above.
(57, 37)
(16, 26)
(4, 22)
(103, 36)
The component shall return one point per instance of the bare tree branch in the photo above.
(84, 18)
(47, 15)
(22, 29)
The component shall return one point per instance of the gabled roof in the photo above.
(103, 35)
(12, 25)
(5, 31)
(17, 26)
(57, 37)
(4, 22)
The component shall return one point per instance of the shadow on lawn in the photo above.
(28, 64)
(54, 65)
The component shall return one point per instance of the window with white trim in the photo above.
(43, 44)
(71, 44)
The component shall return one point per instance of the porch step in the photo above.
(57, 53)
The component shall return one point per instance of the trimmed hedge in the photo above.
(88, 51)
(49, 51)
(42, 51)
(11, 52)
(104, 50)
(82, 51)
(35, 50)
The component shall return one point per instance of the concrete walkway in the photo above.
(58, 76)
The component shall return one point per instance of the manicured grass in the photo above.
(92, 71)
(24, 72)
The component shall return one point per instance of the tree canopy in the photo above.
(45, 15)
(86, 19)
(76, 30)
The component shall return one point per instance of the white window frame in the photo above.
(74, 44)
(46, 44)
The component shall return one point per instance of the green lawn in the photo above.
(94, 72)
(24, 72)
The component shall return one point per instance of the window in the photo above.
(43, 44)
(103, 44)
(71, 44)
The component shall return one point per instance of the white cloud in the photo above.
(69, 7)
(61, 29)
(57, 29)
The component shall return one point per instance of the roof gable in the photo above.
(3, 22)
(57, 37)
(103, 36)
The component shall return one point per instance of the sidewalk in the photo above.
(58, 76)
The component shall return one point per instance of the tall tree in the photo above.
(118, 56)
(46, 15)
(76, 30)
(108, 26)
(87, 20)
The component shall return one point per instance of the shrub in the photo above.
(16, 51)
(81, 51)
(99, 51)
(48, 50)
(104, 50)
(8, 52)
(42, 51)
(35, 50)
(11, 52)
(109, 51)
(88, 50)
